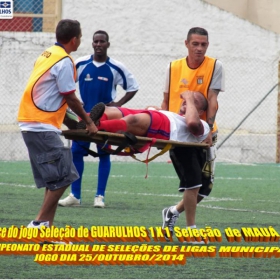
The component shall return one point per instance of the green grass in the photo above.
(243, 196)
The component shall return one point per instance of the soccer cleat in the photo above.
(95, 114)
(168, 220)
(99, 202)
(69, 201)
(70, 119)
(38, 224)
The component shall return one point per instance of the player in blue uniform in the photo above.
(98, 77)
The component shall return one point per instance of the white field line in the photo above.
(208, 199)
(162, 177)
(175, 177)
(211, 198)
(233, 162)
(18, 185)
(238, 210)
(202, 204)
(205, 200)
(241, 178)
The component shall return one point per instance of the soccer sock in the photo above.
(174, 210)
(77, 185)
(113, 125)
(193, 226)
(103, 118)
(103, 172)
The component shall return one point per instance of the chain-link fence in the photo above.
(253, 141)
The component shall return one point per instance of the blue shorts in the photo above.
(51, 162)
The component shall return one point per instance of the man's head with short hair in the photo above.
(200, 101)
(101, 32)
(100, 44)
(198, 31)
(197, 44)
(66, 30)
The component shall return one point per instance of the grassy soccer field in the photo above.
(243, 196)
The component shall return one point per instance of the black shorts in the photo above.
(193, 169)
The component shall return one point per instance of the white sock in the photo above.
(193, 226)
(174, 210)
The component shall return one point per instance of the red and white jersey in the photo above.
(179, 130)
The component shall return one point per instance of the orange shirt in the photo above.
(183, 78)
(28, 111)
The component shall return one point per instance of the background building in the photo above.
(265, 13)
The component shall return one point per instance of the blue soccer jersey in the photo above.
(98, 81)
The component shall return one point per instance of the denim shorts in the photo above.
(51, 162)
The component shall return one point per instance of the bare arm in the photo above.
(165, 102)
(123, 100)
(211, 112)
(212, 105)
(75, 105)
(193, 121)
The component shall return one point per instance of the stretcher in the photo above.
(138, 143)
(127, 144)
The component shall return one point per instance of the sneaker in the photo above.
(95, 114)
(99, 202)
(69, 201)
(38, 224)
(169, 220)
(70, 119)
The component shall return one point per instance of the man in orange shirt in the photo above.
(194, 167)
(49, 91)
